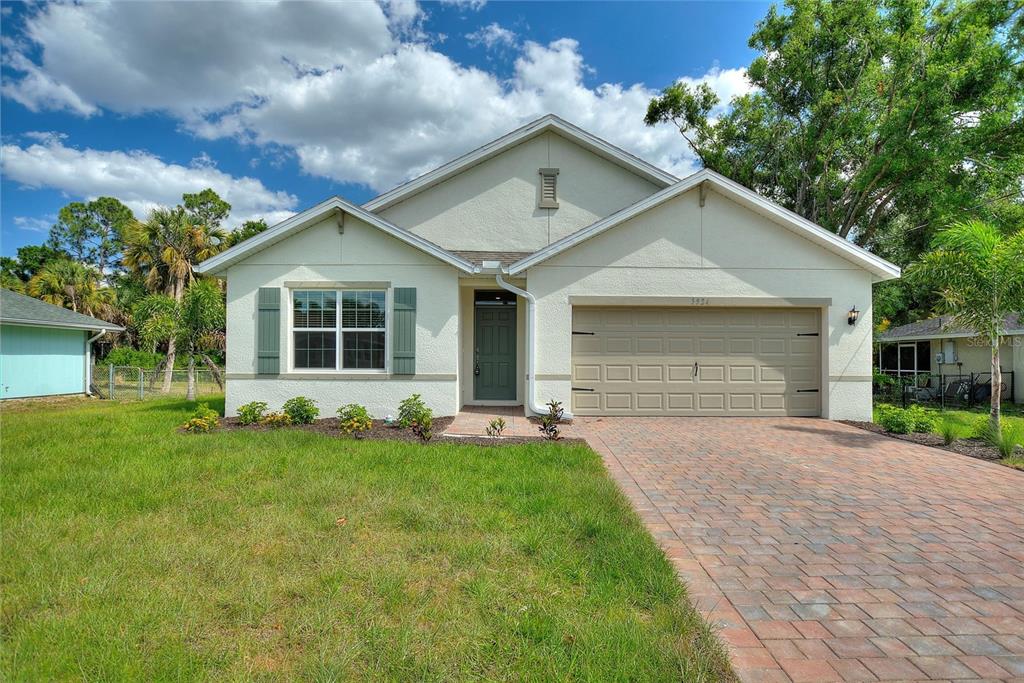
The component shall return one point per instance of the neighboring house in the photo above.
(45, 350)
(939, 348)
(549, 264)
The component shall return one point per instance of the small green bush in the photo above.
(409, 410)
(496, 427)
(301, 410)
(1005, 441)
(276, 420)
(423, 425)
(203, 421)
(354, 420)
(549, 422)
(905, 420)
(251, 413)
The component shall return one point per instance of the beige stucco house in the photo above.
(549, 264)
(942, 350)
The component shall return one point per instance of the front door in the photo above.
(494, 353)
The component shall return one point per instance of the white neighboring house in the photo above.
(549, 264)
(942, 350)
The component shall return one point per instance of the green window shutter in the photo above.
(403, 335)
(268, 331)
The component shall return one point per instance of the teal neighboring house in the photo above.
(45, 350)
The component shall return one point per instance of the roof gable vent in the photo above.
(548, 188)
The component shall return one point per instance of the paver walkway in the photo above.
(824, 552)
(473, 421)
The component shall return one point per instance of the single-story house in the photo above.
(45, 350)
(550, 264)
(941, 349)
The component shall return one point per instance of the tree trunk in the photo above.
(997, 387)
(172, 348)
(190, 395)
(172, 353)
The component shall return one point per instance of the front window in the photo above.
(362, 330)
(316, 327)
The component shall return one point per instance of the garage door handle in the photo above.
(581, 389)
(694, 369)
(590, 334)
(806, 391)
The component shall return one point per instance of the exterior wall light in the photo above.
(853, 315)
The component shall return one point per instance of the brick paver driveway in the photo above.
(824, 552)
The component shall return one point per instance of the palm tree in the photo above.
(195, 324)
(979, 274)
(165, 251)
(72, 285)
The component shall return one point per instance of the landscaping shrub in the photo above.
(132, 357)
(204, 420)
(301, 410)
(251, 413)
(549, 422)
(354, 420)
(409, 409)
(1005, 441)
(276, 420)
(905, 420)
(496, 427)
(423, 424)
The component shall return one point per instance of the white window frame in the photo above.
(339, 332)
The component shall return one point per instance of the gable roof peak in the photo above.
(300, 221)
(546, 123)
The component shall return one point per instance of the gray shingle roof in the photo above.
(478, 257)
(942, 327)
(18, 308)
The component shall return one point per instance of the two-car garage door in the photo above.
(696, 361)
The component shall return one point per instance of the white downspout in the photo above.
(531, 342)
(88, 361)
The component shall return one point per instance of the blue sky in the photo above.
(279, 106)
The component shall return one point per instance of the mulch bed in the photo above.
(382, 432)
(974, 448)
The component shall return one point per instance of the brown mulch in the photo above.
(382, 432)
(974, 448)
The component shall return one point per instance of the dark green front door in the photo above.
(494, 367)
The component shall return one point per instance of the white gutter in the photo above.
(88, 361)
(531, 343)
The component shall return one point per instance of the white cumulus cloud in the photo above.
(491, 36)
(142, 181)
(354, 91)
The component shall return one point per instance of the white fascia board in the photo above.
(21, 322)
(546, 123)
(219, 263)
(940, 336)
(879, 267)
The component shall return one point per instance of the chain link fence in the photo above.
(126, 383)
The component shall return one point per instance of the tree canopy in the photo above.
(92, 232)
(868, 115)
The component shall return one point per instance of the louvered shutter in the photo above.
(403, 335)
(268, 331)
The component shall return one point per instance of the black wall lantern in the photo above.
(853, 315)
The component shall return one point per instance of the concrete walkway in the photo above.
(824, 552)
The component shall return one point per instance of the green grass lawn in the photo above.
(132, 551)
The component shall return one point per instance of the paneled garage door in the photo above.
(696, 361)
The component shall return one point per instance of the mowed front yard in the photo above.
(132, 551)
